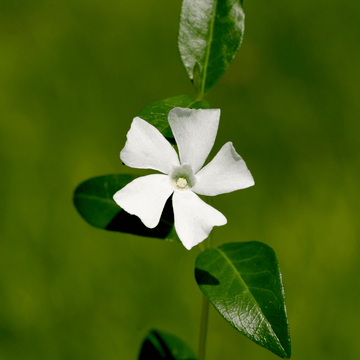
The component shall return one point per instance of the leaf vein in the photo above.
(268, 325)
(207, 55)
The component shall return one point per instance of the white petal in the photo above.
(145, 197)
(194, 218)
(147, 148)
(195, 133)
(225, 173)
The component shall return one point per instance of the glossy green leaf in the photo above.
(210, 34)
(93, 200)
(244, 283)
(159, 345)
(157, 112)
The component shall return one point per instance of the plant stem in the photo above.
(205, 306)
(201, 247)
(203, 327)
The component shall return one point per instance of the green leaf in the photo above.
(210, 34)
(157, 112)
(93, 200)
(244, 283)
(159, 345)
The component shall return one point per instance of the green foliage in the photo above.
(210, 34)
(159, 345)
(157, 112)
(243, 282)
(93, 199)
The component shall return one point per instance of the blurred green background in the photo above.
(73, 74)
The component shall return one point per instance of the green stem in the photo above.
(203, 327)
(201, 247)
(205, 305)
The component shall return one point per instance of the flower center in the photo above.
(182, 177)
(181, 183)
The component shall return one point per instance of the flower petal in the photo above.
(194, 132)
(225, 173)
(147, 148)
(145, 197)
(194, 218)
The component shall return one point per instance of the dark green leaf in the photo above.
(93, 199)
(244, 283)
(162, 346)
(157, 113)
(210, 34)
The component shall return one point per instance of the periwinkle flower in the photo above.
(146, 148)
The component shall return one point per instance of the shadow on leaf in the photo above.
(127, 223)
(163, 346)
(204, 278)
(155, 349)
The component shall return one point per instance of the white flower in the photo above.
(147, 148)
